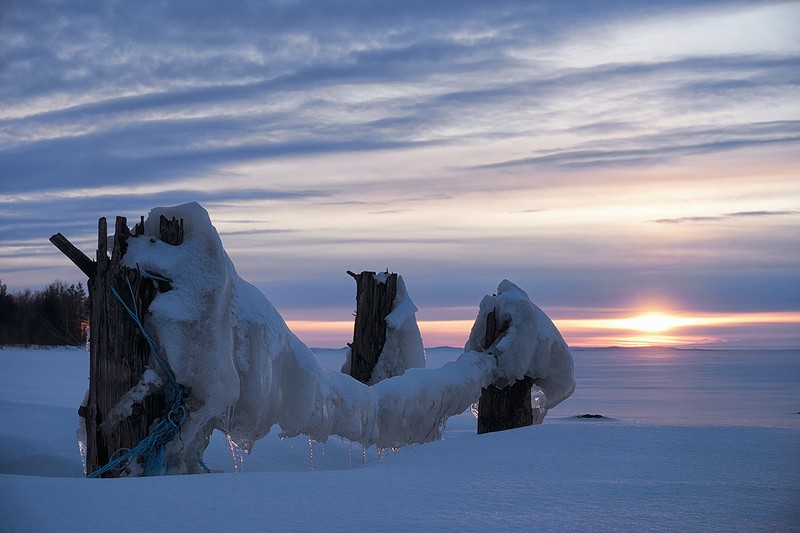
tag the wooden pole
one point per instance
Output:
(86, 265)
(374, 302)
(509, 407)
(118, 351)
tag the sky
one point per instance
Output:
(633, 166)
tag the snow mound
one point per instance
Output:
(247, 371)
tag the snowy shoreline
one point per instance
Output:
(694, 440)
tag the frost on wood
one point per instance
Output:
(248, 372)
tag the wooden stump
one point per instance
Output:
(374, 302)
(509, 407)
(118, 350)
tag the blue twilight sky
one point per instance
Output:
(608, 157)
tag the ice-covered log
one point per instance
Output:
(531, 346)
(402, 343)
(248, 372)
(403, 348)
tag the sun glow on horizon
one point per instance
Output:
(655, 322)
(659, 328)
(656, 328)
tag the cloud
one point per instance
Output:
(686, 219)
(749, 214)
(740, 214)
(292, 42)
(27, 224)
(527, 211)
(120, 139)
(152, 152)
(660, 147)
(256, 232)
(115, 93)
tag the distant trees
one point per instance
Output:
(55, 316)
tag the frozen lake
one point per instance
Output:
(693, 440)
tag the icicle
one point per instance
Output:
(363, 454)
(283, 438)
(82, 450)
(236, 455)
(310, 454)
(81, 434)
(351, 454)
(538, 402)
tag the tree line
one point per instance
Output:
(54, 316)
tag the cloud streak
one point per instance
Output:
(663, 146)
(740, 214)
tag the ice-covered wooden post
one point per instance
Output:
(118, 351)
(509, 407)
(374, 300)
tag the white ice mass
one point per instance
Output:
(248, 372)
(532, 345)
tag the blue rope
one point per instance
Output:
(156, 277)
(202, 463)
(134, 314)
(151, 448)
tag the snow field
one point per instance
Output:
(694, 441)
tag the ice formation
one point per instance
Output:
(532, 345)
(403, 346)
(248, 372)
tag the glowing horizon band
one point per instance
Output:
(646, 323)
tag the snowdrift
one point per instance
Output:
(248, 372)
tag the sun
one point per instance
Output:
(651, 322)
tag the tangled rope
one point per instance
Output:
(151, 448)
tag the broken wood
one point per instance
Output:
(374, 301)
(86, 265)
(118, 350)
(509, 407)
(170, 231)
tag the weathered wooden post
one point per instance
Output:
(509, 407)
(374, 301)
(118, 350)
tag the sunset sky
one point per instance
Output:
(633, 166)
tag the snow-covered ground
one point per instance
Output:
(696, 440)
